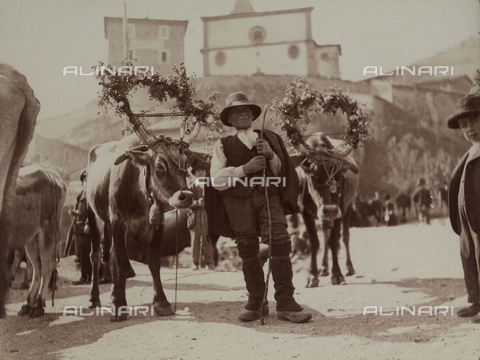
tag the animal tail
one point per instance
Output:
(52, 285)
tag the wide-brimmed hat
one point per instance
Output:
(238, 99)
(468, 105)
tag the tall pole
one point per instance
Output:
(125, 52)
(125, 32)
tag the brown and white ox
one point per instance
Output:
(34, 220)
(18, 115)
(123, 178)
(328, 184)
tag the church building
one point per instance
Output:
(246, 43)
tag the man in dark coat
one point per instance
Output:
(237, 171)
(464, 196)
(79, 229)
(423, 201)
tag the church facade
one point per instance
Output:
(246, 43)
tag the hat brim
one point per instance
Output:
(256, 111)
(452, 121)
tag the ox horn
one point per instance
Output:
(193, 135)
(345, 151)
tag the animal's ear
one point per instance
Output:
(138, 156)
(297, 159)
(127, 154)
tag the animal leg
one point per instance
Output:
(95, 259)
(32, 252)
(14, 267)
(337, 277)
(46, 244)
(346, 240)
(122, 264)
(161, 305)
(311, 227)
(27, 280)
(326, 236)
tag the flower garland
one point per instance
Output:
(301, 99)
(116, 86)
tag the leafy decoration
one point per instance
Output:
(301, 100)
(118, 85)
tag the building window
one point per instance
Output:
(164, 56)
(220, 58)
(325, 57)
(293, 51)
(131, 31)
(163, 32)
(257, 34)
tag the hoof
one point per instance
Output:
(163, 310)
(37, 312)
(25, 310)
(324, 272)
(95, 304)
(338, 280)
(350, 272)
(313, 282)
(117, 318)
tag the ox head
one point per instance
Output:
(166, 162)
(326, 165)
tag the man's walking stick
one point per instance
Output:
(270, 241)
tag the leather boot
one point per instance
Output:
(287, 308)
(254, 280)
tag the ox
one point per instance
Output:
(35, 223)
(124, 178)
(327, 190)
(18, 114)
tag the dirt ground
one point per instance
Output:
(404, 266)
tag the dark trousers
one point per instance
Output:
(470, 255)
(83, 248)
(249, 217)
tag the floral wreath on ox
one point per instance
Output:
(117, 86)
(299, 101)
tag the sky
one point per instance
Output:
(40, 38)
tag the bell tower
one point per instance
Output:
(242, 6)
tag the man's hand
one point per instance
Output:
(256, 164)
(263, 148)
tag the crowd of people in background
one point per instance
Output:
(417, 205)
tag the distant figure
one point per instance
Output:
(403, 203)
(80, 233)
(375, 205)
(389, 211)
(443, 197)
(464, 196)
(423, 201)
